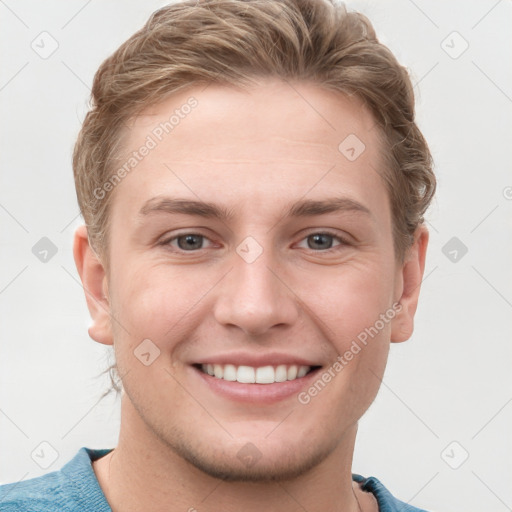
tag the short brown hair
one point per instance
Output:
(232, 42)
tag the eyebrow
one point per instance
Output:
(302, 208)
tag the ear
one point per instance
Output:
(94, 282)
(409, 284)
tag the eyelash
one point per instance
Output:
(342, 241)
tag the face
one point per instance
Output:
(249, 244)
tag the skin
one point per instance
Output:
(254, 153)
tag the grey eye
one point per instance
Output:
(321, 241)
(190, 242)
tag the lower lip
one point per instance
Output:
(257, 393)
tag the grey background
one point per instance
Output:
(450, 383)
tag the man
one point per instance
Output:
(253, 186)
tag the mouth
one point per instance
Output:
(252, 379)
(268, 374)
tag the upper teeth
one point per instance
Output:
(250, 375)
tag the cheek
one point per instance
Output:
(355, 308)
(151, 319)
(142, 292)
(140, 307)
(350, 299)
(155, 303)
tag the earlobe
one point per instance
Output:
(411, 275)
(94, 281)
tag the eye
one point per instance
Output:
(187, 241)
(322, 241)
(319, 242)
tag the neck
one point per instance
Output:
(144, 473)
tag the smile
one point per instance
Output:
(260, 375)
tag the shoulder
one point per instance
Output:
(71, 489)
(37, 495)
(386, 501)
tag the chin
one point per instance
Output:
(249, 464)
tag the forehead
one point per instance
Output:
(293, 137)
(269, 110)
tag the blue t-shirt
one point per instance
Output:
(74, 488)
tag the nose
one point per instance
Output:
(255, 297)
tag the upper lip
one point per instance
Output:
(257, 360)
